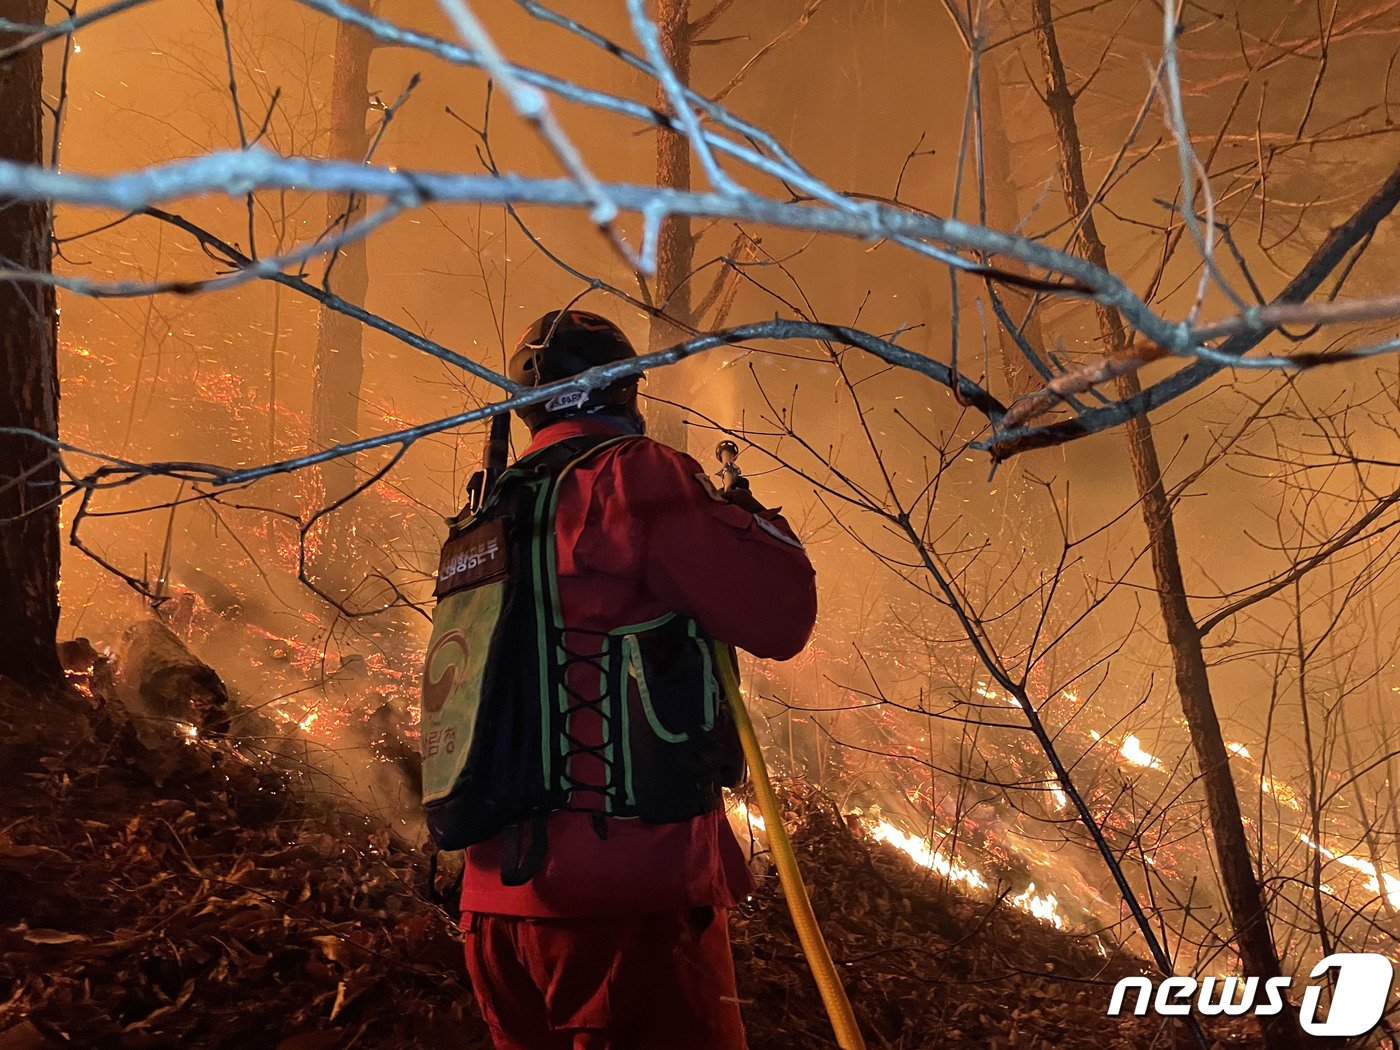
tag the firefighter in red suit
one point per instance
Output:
(619, 941)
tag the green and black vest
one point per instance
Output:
(497, 697)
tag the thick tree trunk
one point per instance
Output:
(1243, 894)
(28, 383)
(676, 251)
(339, 366)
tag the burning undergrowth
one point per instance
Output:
(163, 888)
(924, 963)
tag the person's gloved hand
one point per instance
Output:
(741, 496)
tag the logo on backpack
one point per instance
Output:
(446, 659)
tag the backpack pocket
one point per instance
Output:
(682, 744)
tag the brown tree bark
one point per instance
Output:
(28, 383)
(339, 367)
(1244, 896)
(675, 257)
(1003, 213)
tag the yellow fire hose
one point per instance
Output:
(838, 1007)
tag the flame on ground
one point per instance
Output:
(1042, 906)
(748, 817)
(923, 854)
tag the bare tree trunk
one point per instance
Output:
(1388, 794)
(675, 256)
(28, 382)
(1004, 213)
(1243, 894)
(339, 366)
(1368, 811)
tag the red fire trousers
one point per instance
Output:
(651, 981)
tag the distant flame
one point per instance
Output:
(1042, 906)
(1133, 751)
(1239, 749)
(986, 692)
(1392, 884)
(1280, 791)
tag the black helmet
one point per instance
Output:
(564, 343)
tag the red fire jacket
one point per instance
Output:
(640, 533)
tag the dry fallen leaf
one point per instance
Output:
(52, 937)
(23, 1036)
(333, 948)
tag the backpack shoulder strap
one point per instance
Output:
(551, 462)
(558, 459)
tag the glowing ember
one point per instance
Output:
(1133, 751)
(303, 722)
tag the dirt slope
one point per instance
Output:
(159, 891)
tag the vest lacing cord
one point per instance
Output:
(519, 865)
(578, 702)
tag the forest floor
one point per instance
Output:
(163, 891)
